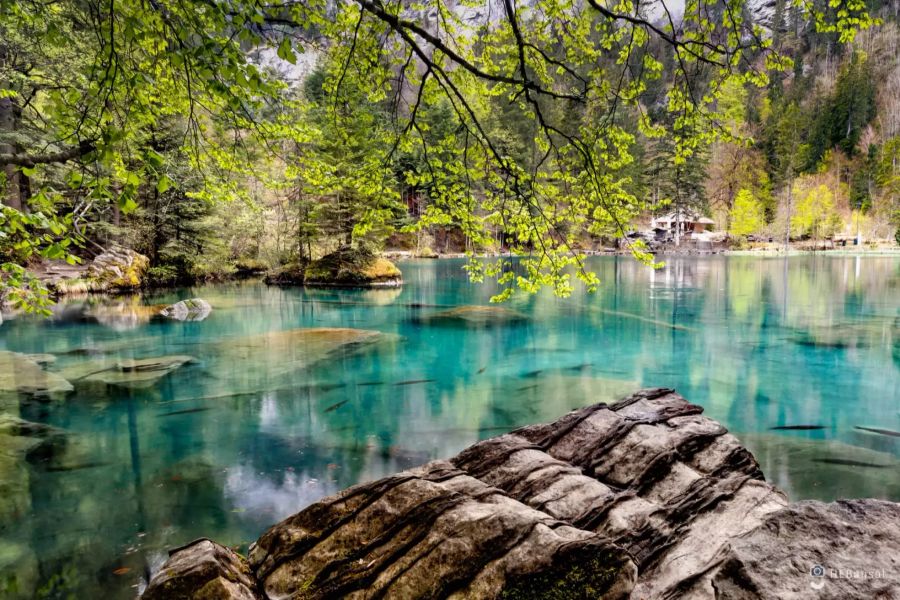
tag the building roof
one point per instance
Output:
(685, 217)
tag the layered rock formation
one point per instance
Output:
(116, 269)
(119, 268)
(643, 498)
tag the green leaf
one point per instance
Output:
(286, 52)
(127, 204)
(163, 184)
(75, 179)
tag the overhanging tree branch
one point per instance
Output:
(31, 160)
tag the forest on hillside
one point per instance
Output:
(234, 136)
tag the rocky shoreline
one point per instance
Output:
(644, 498)
(122, 271)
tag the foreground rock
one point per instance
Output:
(352, 268)
(846, 549)
(434, 531)
(193, 309)
(203, 570)
(643, 497)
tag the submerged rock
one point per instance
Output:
(29, 440)
(22, 442)
(203, 570)
(20, 373)
(352, 268)
(285, 352)
(42, 358)
(193, 309)
(480, 316)
(644, 497)
(131, 373)
(824, 469)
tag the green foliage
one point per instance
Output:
(165, 276)
(843, 115)
(23, 291)
(747, 214)
(159, 123)
(814, 213)
(345, 189)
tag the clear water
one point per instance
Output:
(255, 429)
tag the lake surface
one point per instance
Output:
(266, 420)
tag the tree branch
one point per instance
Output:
(31, 160)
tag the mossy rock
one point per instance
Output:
(76, 286)
(250, 267)
(352, 268)
(426, 252)
(119, 268)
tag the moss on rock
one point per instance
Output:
(352, 268)
(119, 269)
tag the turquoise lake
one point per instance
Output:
(265, 420)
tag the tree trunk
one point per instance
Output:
(787, 227)
(9, 119)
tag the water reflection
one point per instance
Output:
(267, 417)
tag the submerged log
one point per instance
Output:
(644, 497)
